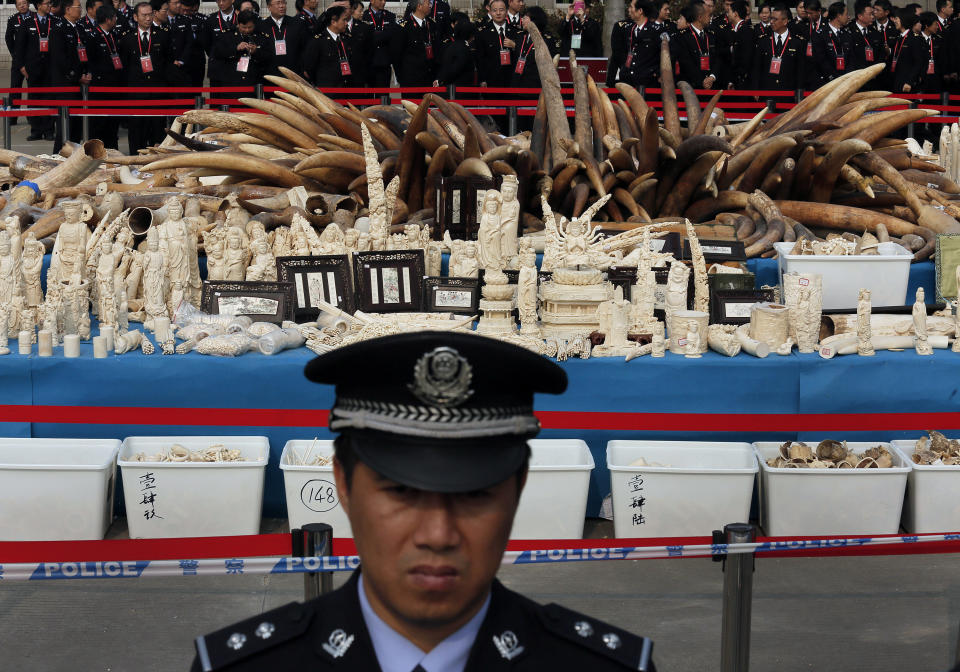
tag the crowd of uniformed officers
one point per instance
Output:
(168, 43)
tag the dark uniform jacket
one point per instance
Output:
(913, 64)
(196, 63)
(294, 35)
(458, 66)
(488, 54)
(329, 633)
(866, 47)
(829, 49)
(688, 50)
(158, 47)
(227, 58)
(526, 75)
(180, 33)
(13, 29)
(792, 56)
(28, 53)
(321, 61)
(589, 32)
(413, 65)
(440, 15)
(311, 22)
(213, 28)
(359, 36)
(642, 49)
(101, 46)
(383, 28)
(738, 45)
(66, 65)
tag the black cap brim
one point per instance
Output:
(440, 465)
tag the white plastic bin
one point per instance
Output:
(885, 274)
(701, 487)
(193, 499)
(312, 495)
(554, 501)
(933, 494)
(806, 502)
(56, 489)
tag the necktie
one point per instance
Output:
(779, 43)
(501, 33)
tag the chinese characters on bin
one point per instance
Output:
(637, 500)
(148, 491)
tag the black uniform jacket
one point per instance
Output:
(13, 28)
(589, 32)
(458, 66)
(488, 48)
(688, 48)
(792, 56)
(66, 67)
(101, 46)
(329, 634)
(227, 57)
(740, 45)
(359, 36)
(912, 65)
(384, 27)
(29, 54)
(293, 33)
(828, 47)
(131, 51)
(411, 62)
(214, 26)
(321, 61)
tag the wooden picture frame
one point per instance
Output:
(261, 301)
(718, 250)
(451, 295)
(327, 277)
(948, 258)
(733, 307)
(388, 282)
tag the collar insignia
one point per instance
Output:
(508, 645)
(442, 378)
(338, 643)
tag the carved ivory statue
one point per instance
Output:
(331, 241)
(864, 334)
(235, 257)
(574, 243)
(956, 310)
(527, 293)
(676, 293)
(69, 251)
(106, 287)
(31, 267)
(213, 244)
(178, 244)
(155, 279)
(692, 347)
(509, 217)
(491, 254)
(9, 280)
(920, 324)
(614, 319)
(264, 266)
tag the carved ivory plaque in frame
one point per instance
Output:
(733, 306)
(388, 282)
(323, 277)
(451, 295)
(261, 301)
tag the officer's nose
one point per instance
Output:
(437, 524)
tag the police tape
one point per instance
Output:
(133, 569)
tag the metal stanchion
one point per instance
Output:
(258, 91)
(7, 136)
(911, 125)
(85, 94)
(771, 104)
(64, 118)
(798, 95)
(511, 120)
(451, 91)
(737, 599)
(224, 108)
(314, 540)
(385, 98)
(198, 102)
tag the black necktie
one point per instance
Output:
(501, 34)
(779, 43)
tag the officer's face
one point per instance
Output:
(339, 24)
(866, 18)
(173, 8)
(378, 5)
(22, 6)
(516, 6)
(778, 21)
(428, 558)
(72, 12)
(880, 14)
(278, 8)
(43, 7)
(498, 10)
(225, 5)
(765, 14)
(144, 18)
(246, 28)
(948, 9)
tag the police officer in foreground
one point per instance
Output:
(429, 464)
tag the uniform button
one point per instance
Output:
(583, 628)
(236, 641)
(611, 640)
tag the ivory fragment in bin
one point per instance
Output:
(193, 499)
(932, 503)
(554, 500)
(56, 489)
(679, 488)
(806, 502)
(312, 495)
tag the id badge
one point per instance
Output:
(893, 65)
(930, 69)
(44, 45)
(280, 47)
(82, 53)
(704, 63)
(429, 49)
(345, 68)
(676, 69)
(117, 63)
(869, 54)
(775, 66)
(243, 64)
(504, 57)
(627, 63)
(809, 49)
(521, 64)
(575, 41)
(146, 65)
(841, 63)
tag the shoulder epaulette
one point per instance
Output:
(252, 636)
(601, 638)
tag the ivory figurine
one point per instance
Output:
(69, 250)
(527, 293)
(12, 226)
(572, 244)
(123, 312)
(433, 258)
(920, 324)
(264, 266)
(178, 294)
(52, 315)
(644, 301)
(106, 288)
(178, 243)
(331, 241)
(614, 319)
(235, 257)
(956, 311)
(864, 334)
(676, 293)
(468, 262)
(213, 244)
(488, 235)
(155, 280)
(9, 278)
(4, 329)
(77, 308)
(722, 338)
(692, 345)
(659, 342)
(509, 218)
(31, 265)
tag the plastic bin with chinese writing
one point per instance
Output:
(803, 502)
(554, 500)
(679, 488)
(52, 489)
(933, 494)
(312, 495)
(193, 499)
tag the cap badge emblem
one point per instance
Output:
(442, 378)
(338, 643)
(508, 645)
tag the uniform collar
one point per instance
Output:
(333, 35)
(277, 21)
(417, 19)
(784, 36)
(396, 654)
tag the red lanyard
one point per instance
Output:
(140, 43)
(706, 39)
(37, 24)
(930, 44)
(342, 47)
(435, 3)
(899, 47)
(233, 19)
(523, 54)
(637, 29)
(571, 28)
(499, 36)
(373, 17)
(836, 50)
(273, 29)
(773, 49)
(108, 40)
